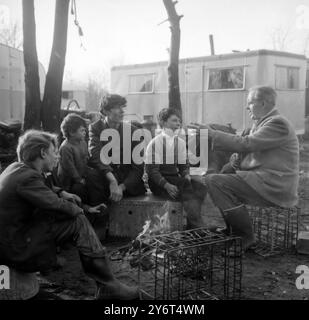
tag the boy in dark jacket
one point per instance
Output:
(72, 168)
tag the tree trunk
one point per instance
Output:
(32, 118)
(53, 87)
(173, 77)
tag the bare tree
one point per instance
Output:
(173, 75)
(53, 86)
(279, 38)
(306, 45)
(32, 82)
(11, 35)
(95, 92)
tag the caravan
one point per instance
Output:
(12, 83)
(214, 88)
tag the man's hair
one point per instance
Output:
(32, 142)
(265, 93)
(110, 101)
(71, 123)
(165, 113)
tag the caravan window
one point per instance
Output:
(227, 78)
(67, 95)
(141, 83)
(287, 77)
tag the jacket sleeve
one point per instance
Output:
(67, 164)
(182, 156)
(271, 135)
(95, 150)
(34, 190)
(152, 168)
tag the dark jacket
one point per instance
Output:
(72, 166)
(158, 164)
(128, 174)
(28, 209)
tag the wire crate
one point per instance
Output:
(190, 265)
(275, 228)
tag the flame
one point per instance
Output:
(159, 225)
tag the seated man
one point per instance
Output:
(113, 180)
(34, 219)
(265, 171)
(168, 168)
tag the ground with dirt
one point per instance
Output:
(263, 278)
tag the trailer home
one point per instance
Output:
(12, 83)
(73, 97)
(214, 88)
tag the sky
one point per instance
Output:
(118, 32)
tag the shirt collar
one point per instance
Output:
(170, 133)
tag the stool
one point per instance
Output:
(275, 228)
(23, 286)
(128, 216)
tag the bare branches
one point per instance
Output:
(171, 11)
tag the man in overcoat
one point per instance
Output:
(265, 166)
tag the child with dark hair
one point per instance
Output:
(168, 168)
(72, 168)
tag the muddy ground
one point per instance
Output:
(271, 278)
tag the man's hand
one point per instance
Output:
(235, 161)
(211, 131)
(187, 177)
(116, 192)
(71, 197)
(171, 189)
(100, 208)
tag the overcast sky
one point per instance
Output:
(127, 31)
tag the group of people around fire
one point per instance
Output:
(54, 195)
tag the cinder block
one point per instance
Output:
(127, 218)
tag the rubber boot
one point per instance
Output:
(193, 210)
(108, 287)
(239, 223)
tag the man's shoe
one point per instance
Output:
(239, 222)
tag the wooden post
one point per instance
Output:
(212, 48)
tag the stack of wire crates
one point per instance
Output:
(275, 229)
(190, 265)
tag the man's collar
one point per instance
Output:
(272, 112)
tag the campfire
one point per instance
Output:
(193, 264)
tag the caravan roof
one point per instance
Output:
(226, 56)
